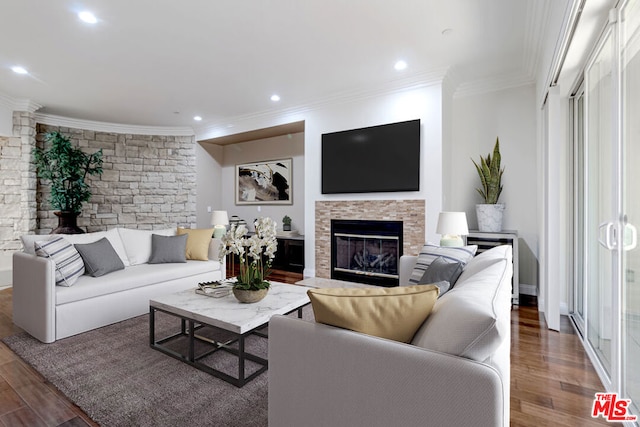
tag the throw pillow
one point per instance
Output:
(392, 313)
(198, 241)
(99, 257)
(443, 272)
(166, 249)
(430, 252)
(137, 243)
(69, 265)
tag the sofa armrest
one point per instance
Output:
(325, 376)
(407, 263)
(34, 296)
(214, 254)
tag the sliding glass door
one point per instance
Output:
(630, 133)
(606, 298)
(600, 201)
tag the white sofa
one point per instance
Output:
(49, 312)
(455, 372)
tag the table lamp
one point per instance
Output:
(219, 220)
(452, 226)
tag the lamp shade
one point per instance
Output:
(219, 218)
(454, 223)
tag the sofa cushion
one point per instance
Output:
(472, 319)
(430, 253)
(168, 249)
(198, 241)
(442, 273)
(67, 260)
(137, 243)
(99, 257)
(392, 313)
(133, 277)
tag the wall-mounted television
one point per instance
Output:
(373, 159)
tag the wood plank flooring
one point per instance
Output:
(552, 380)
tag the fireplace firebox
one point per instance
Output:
(366, 251)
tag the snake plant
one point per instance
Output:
(490, 176)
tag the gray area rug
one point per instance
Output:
(118, 380)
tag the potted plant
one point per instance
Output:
(286, 223)
(490, 212)
(255, 254)
(66, 168)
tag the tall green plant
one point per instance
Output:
(66, 168)
(490, 175)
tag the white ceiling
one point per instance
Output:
(161, 62)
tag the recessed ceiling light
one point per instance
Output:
(19, 70)
(275, 98)
(87, 17)
(197, 118)
(400, 65)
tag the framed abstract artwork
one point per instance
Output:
(265, 183)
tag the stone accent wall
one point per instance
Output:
(17, 177)
(148, 181)
(410, 212)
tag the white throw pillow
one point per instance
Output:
(112, 235)
(431, 252)
(69, 264)
(29, 240)
(137, 243)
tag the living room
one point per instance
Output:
(193, 163)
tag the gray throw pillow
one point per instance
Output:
(166, 249)
(442, 271)
(99, 257)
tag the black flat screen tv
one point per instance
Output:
(374, 159)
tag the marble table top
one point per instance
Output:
(230, 314)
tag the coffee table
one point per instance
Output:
(228, 314)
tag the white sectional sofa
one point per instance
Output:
(49, 312)
(455, 371)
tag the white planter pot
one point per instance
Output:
(490, 217)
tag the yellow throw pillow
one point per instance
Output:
(198, 240)
(392, 313)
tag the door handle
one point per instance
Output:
(608, 241)
(630, 237)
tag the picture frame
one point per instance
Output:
(267, 182)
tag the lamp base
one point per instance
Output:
(451, 240)
(219, 231)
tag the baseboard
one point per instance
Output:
(527, 289)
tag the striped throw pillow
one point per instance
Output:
(430, 253)
(69, 264)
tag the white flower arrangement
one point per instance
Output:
(255, 253)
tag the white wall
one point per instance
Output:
(424, 103)
(280, 147)
(209, 160)
(6, 120)
(477, 120)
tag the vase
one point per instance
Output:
(490, 217)
(250, 296)
(67, 223)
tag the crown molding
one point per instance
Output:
(14, 104)
(53, 120)
(286, 115)
(493, 84)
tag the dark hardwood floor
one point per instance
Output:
(552, 380)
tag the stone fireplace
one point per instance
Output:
(410, 213)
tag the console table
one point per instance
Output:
(487, 240)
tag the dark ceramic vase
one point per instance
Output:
(67, 223)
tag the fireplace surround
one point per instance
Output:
(412, 213)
